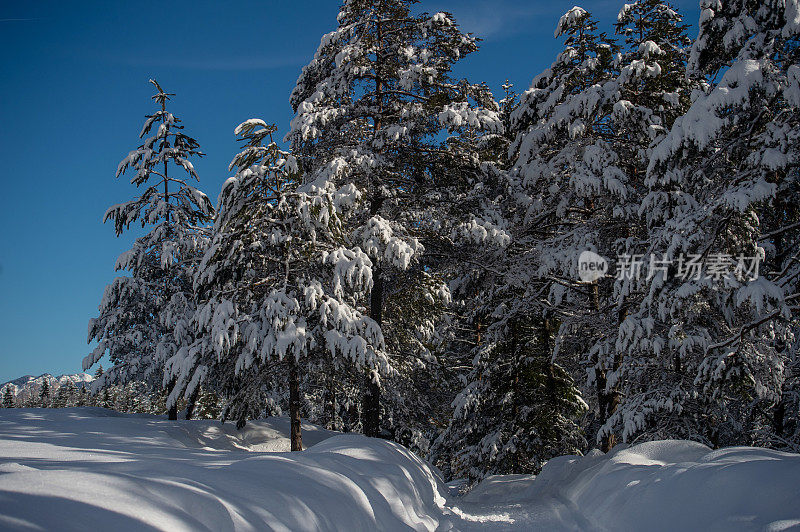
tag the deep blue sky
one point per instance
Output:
(73, 95)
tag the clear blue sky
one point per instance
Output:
(73, 95)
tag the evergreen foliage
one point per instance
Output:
(139, 312)
(410, 267)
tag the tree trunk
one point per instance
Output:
(330, 399)
(515, 357)
(608, 399)
(371, 402)
(294, 407)
(779, 417)
(192, 403)
(352, 417)
(371, 410)
(172, 412)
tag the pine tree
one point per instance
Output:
(61, 398)
(138, 312)
(278, 285)
(208, 405)
(569, 194)
(8, 398)
(653, 76)
(519, 409)
(721, 184)
(650, 91)
(83, 397)
(106, 400)
(44, 394)
(561, 191)
(372, 109)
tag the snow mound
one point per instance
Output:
(91, 468)
(663, 485)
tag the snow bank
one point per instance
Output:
(84, 469)
(90, 468)
(664, 485)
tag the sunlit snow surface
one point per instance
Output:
(92, 469)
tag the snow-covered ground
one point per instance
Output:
(89, 468)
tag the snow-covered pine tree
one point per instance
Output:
(653, 75)
(373, 108)
(83, 398)
(106, 398)
(8, 398)
(61, 398)
(719, 339)
(585, 129)
(476, 253)
(208, 405)
(279, 284)
(138, 312)
(44, 394)
(519, 408)
(569, 194)
(566, 192)
(650, 91)
(72, 393)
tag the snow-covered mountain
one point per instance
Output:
(28, 385)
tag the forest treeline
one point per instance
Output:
(409, 261)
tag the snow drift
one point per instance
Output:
(663, 485)
(84, 469)
(78, 469)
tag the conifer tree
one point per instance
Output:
(61, 397)
(83, 397)
(557, 195)
(568, 191)
(137, 312)
(44, 394)
(279, 284)
(650, 91)
(8, 398)
(371, 109)
(718, 339)
(519, 409)
(105, 400)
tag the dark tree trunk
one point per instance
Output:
(352, 417)
(515, 357)
(371, 402)
(172, 412)
(604, 402)
(609, 399)
(192, 403)
(371, 409)
(294, 407)
(330, 399)
(779, 418)
(714, 439)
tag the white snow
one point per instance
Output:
(90, 468)
(663, 485)
(569, 19)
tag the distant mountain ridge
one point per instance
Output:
(28, 385)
